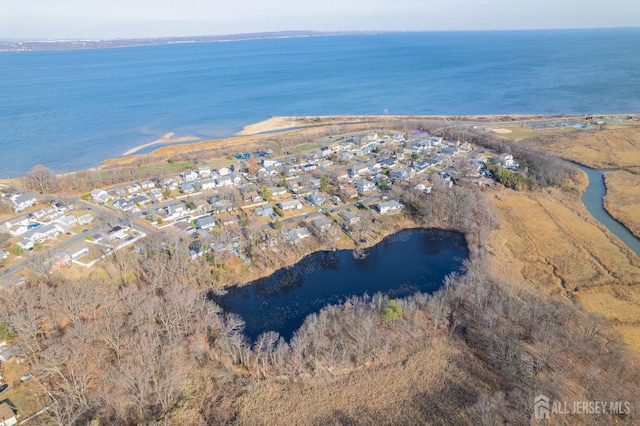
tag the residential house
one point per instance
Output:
(41, 233)
(506, 159)
(450, 150)
(18, 230)
(187, 188)
(264, 210)
(202, 206)
(175, 210)
(189, 176)
(133, 188)
(118, 232)
(291, 204)
(66, 222)
(350, 217)
(389, 163)
(277, 191)
(349, 192)
(123, 205)
(205, 222)
(23, 201)
(424, 186)
(156, 194)
(148, 184)
(140, 200)
(25, 244)
(59, 261)
(78, 252)
(465, 147)
(295, 235)
(289, 170)
(389, 207)
(206, 184)
(22, 220)
(223, 171)
(402, 173)
(3, 254)
(325, 164)
(308, 167)
(322, 224)
(363, 185)
(317, 199)
(221, 206)
(204, 172)
(420, 167)
(267, 162)
(224, 180)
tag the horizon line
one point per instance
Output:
(298, 33)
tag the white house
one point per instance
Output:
(204, 172)
(363, 185)
(277, 191)
(506, 159)
(296, 235)
(148, 184)
(78, 252)
(206, 184)
(175, 210)
(291, 204)
(66, 222)
(41, 233)
(389, 207)
(3, 254)
(424, 186)
(224, 180)
(189, 176)
(24, 201)
(100, 196)
(16, 222)
(85, 219)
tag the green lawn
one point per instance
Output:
(307, 147)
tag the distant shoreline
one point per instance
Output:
(285, 123)
(58, 45)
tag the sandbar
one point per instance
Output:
(272, 124)
(166, 139)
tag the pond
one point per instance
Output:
(402, 264)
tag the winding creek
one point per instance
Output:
(593, 199)
(402, 264)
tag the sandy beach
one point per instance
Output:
(166, 139)
(271, 124)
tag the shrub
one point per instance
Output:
(391, 312)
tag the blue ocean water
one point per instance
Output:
(70, 110)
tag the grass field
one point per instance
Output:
(616, 146)
(623, 198)
(549, 239)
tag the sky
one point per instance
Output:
(90, 19)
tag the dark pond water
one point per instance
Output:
(407, 262)
(593, 200)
